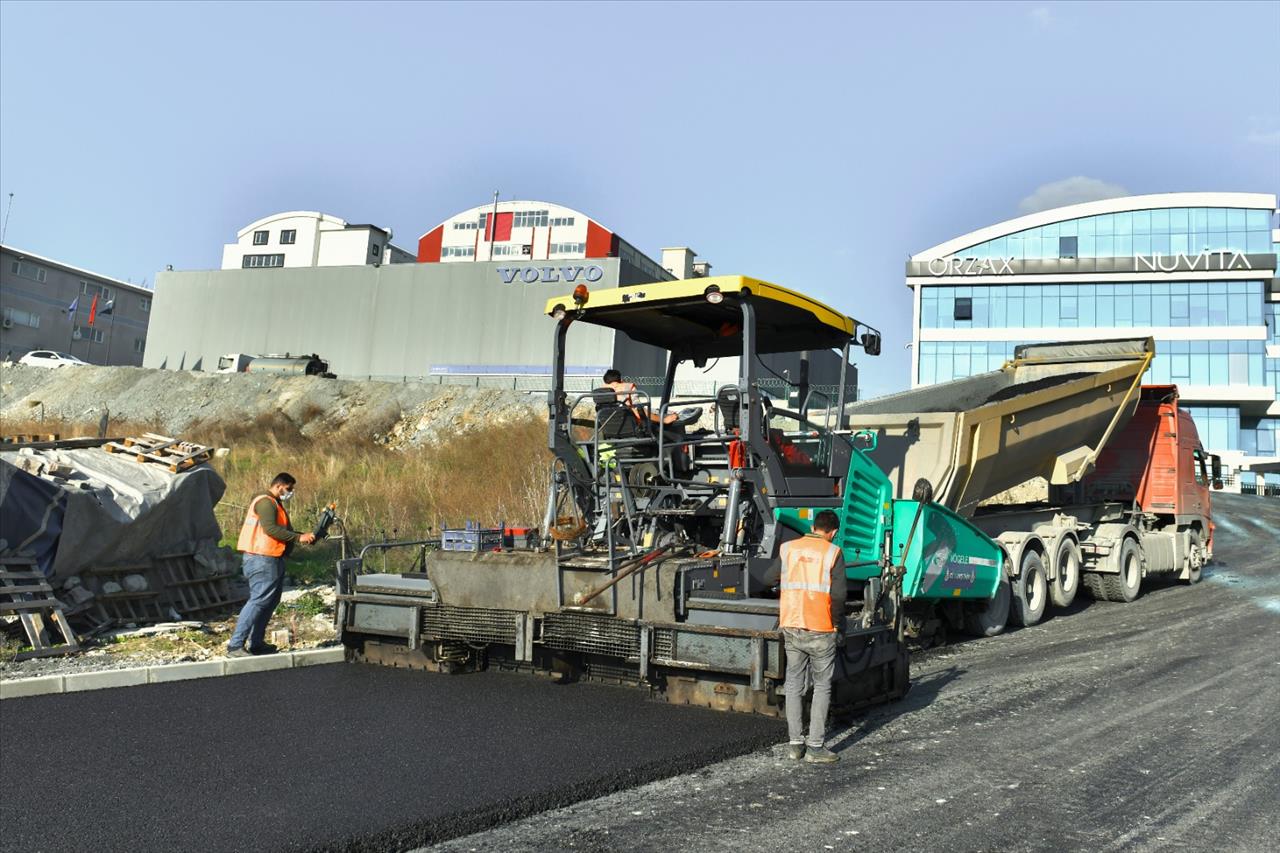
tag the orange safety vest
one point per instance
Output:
(253, 539)
(805, 600)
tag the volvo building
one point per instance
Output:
(1196, 271)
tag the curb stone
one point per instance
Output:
(17, 688)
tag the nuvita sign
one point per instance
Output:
(533, 275)
(1222, 259)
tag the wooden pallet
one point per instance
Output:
(28, 439)
(124, 607)
(194, 594)
(173, 453)
(25, 591)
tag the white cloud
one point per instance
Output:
(1041, 17)
(1069, 191)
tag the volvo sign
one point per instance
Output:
(534, 275)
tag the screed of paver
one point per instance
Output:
(340, 756)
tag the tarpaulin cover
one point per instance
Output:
(109, 511)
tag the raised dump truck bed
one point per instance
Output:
(1046, 413)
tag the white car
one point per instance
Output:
(49, 358)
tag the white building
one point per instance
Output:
(1196, 271)
(304, 238)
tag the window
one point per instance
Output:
(144, 302)
(529, 219)
(567, 248)
(139, 344)
(561, 220)
(28, 271)
(510, 249)
(88, 333)
(288, 237)
(96, 290)
(18, 317)
(1067, 247)
(373, 250)
(260, 238)
(255, 261)
(964, 308)
(466, 226)
(458, 252)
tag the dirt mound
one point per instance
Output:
(399, 414)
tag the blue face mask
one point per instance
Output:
(287, 495)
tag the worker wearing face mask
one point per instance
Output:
(266, 538)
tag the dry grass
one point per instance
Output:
(493, 474)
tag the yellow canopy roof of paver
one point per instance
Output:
(675, 315)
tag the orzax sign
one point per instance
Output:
(971, 266)
(533, 275)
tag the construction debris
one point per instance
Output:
(96, 541)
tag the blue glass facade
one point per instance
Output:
(1176, 362)
(1123, 305)
(1189, 230)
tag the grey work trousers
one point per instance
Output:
(811, 660)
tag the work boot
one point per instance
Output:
(820, 755)
(795, 751)
(264, 649)
(240, 652)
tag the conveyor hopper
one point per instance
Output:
(1046, 413)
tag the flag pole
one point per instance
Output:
(111, 330)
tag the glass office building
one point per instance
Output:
(1196, 271)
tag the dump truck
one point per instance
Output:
(666, 525)
(1128, 479)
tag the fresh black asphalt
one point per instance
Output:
(342, 757)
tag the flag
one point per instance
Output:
(108, 308)
(93, 310)
(71, 309)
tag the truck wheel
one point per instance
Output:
(1195, 557)
(1065, 586)
(1030, 592)
(1125, 585)
(988, 618)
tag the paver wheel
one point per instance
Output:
(1125, 585)
(1030, 591)
(988, 618)
(1064, 587)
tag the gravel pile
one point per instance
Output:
(400, 414)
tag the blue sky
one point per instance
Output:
(813, 145)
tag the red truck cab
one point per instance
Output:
(1157, 462)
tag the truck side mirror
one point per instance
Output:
(1215, 466)
(871, 343)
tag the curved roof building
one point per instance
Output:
(1197, 271)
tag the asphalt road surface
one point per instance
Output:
(343, 757)
(1150, 726)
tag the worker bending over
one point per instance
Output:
(624, 390)
(811, 612)
(266, 538)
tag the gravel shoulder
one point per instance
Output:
(1148, 727)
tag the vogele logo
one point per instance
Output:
(535, 275)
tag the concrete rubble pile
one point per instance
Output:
(119, 542)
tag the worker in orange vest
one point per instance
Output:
(812, 592)
(266, 538)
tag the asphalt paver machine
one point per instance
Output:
(666, 516)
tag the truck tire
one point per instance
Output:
(1092, 583)
(1195, 556)
(1064, 587)
(1127, 583)
(1030, 592)
(988, 618)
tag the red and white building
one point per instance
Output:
(514, 232)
